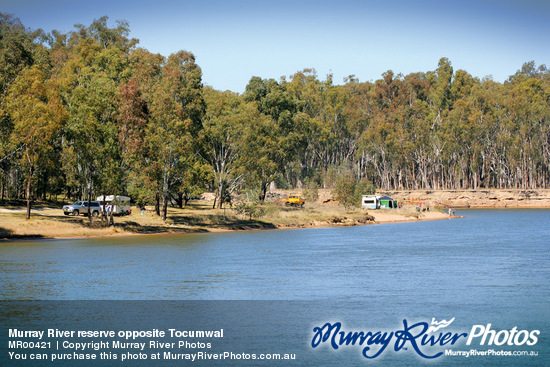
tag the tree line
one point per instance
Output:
(90, 113)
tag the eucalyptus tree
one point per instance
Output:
(177, 107)
(17, 52)
(263, 154)
(37, 113)
(134, 120)
(284, 139)
(97, 62)
(222, 140)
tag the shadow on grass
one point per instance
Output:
(135, 227)
(80, 220)
(6, 234)
(219, 222)
(36, 205)
(97, 223)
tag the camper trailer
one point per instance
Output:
(370, 202)
(119, 205)
(378, 202)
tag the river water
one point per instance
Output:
(492, 266)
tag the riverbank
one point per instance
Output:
(494, 198)
(48, 220)
(443, 199)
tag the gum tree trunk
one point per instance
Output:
(29, 179)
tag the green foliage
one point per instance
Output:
(193, 181)
(37, 114)
(91, 153)
(278, 136)
(16, 45)
(364, 187)
(311, 191)
(331, 176)
(249, 209)
(222, 140)
(348, 191)
(92, 114)
(344, 190)
(176, 109)
(281, 182)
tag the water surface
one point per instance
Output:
(491, 266)
(486, 255)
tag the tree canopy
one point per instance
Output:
(90, 113)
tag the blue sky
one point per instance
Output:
(235, 40)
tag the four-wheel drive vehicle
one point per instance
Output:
(294, 200)
(81, 207)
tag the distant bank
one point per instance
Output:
(443, 199)
(482, 198)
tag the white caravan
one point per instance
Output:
(118, 204)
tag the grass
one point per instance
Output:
(315, 212)
(47, 224)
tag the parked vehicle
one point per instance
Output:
(81, 207)
(378, 202)
(294, 200)
(370, 202)
(119, 205)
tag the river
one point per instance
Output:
(492, 266)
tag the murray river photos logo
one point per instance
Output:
(424, 338)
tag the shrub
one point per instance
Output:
(349, 192)
(344, 190)
(249, 209)
(311, 191)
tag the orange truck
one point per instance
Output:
(294, 200)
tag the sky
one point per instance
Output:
(234, 40)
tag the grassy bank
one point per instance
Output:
(48, 220)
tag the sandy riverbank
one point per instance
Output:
(48, 221)
(198, 217)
